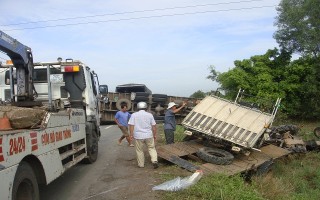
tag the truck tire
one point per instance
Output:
(215, 156)
(316, 132)
(121, 101)
(92, 144)
(158, 118)
(293, 129)
(25, 185)
(159, 99)
(141, 98)
(163, 96)
(142, 94)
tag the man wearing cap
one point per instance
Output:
(142, 127)
(170, 121)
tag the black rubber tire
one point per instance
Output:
(158, 99)
(293, 129)
(164, 96)
(141, 98)
(142, 94)
(189, 138)
(120, 101)
(92, 143)
(316, 132)
(215, 156)
(25, 185)
(158, 118)
(264, 168)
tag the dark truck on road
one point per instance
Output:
(132, 93)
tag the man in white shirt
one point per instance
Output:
(142, 127)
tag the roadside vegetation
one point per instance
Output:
(296, 176)
(268, 77)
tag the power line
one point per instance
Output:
(131, 12)
(138, 18)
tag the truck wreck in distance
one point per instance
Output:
(131, 94)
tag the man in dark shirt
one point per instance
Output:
(170, 121)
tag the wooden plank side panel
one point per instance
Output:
(188, 147)
(212, 168)
(274, 151)
(241, 163)
(175, 151)
(233, 169)
(181, 148)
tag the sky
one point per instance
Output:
(167, 45)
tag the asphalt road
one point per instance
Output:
(114, 175)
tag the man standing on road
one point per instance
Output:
(121, 118)
(143, 129)
(170, 121)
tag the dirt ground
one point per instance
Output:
(115, 175)
(134, 182)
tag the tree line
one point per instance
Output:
(274, 74)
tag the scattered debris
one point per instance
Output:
(178, 183)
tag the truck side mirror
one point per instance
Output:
(103, 89)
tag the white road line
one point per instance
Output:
(107, 127)
(101, 193)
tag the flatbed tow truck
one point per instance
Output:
(40, 138)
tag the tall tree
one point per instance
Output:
(259, 76)
(272, 75)
(198, 94)
(298, 25)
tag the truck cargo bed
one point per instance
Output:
(226, 120)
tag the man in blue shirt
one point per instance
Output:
(121, 118)
(170, 121)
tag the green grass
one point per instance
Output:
(296, 177)
(218, 187)
(178, 136)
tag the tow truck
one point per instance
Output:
(40, 138)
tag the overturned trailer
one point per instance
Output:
(227, 138)
(238, 127)
(233, 137)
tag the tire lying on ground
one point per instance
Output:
(215, 156)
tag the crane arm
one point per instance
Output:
(22, 60)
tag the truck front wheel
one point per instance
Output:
(25, 185)
(92, 144)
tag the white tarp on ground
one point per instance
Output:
(178, 183)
